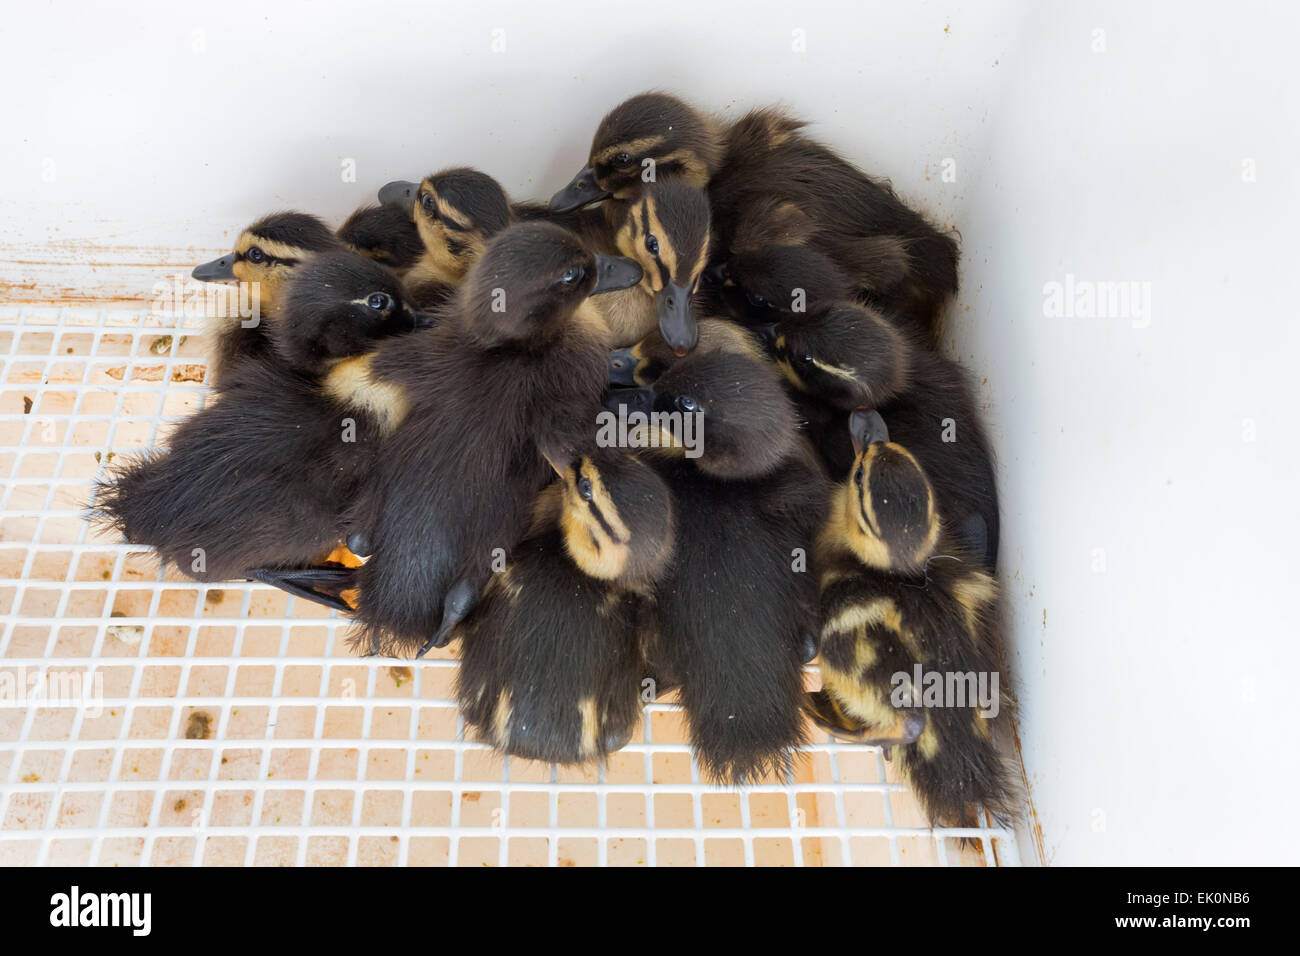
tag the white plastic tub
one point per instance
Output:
(1147, 466)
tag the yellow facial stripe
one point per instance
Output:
(632, 147)
(277, 250)
(693, 171)
(591, 546)
(445, 209)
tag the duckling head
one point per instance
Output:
(456, 211)
(616, 518)
(848, 355)
(337, 306)
(742, 422)
(530, 280)
(641, 139)
(666, 230)
(267, 253)
(384, 233)
(889, 516)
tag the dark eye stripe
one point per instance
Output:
(604, 525)
(268, 260)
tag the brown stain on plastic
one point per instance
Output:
(1035, 827)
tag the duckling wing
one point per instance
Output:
(257, 479)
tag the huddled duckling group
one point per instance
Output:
(430, 385)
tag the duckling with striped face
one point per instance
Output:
(264, 257)
(900, 597)
(260, 478)
(651, 131)
(513, 371)
(551, 657)
(666, 230)
(455, 212)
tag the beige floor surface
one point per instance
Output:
(184, 724)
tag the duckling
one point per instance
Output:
(780, 262)
(257, 481)
(551, 661)
(515, 368)
(665, 227)
(385, 233)
(898, 597)
(875, 240)
(455, 212)
(264, 257)
(848, 356)
(655, 127)
(737, 612)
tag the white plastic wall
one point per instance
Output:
(1147, 465)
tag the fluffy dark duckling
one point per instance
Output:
(737, 617)
(897, 593)
(551, 657)
(455, 213)
(512, 372)
(787, 190)
(848, 356)
(258, 480)
(264, 257)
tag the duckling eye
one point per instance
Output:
(380, 301)
(430, 206)
(755, 299)
(652, 244)
(255, 255)
(623, 159)
(687, 403)
(806, 358)
(571, 275)
(584, 489)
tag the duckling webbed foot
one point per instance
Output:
(909, 724)
(325, 586)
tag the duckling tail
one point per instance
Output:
(746, 717)
(955, 768)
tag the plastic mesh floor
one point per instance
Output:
(146, 719)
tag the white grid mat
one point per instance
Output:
(190, 724)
